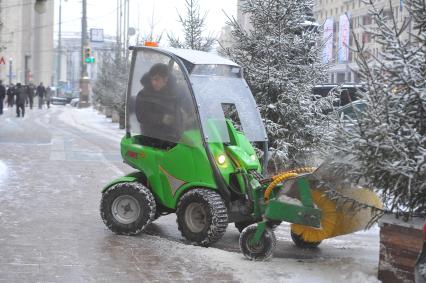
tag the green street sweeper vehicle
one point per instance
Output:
(191, 123)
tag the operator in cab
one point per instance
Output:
(161, 107)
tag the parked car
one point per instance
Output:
(58, 100)
(351, 112)
(74, 102)
(346, 93)
(420, 269)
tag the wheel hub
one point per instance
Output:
(253, 247)
(195, 217)
(126, 209)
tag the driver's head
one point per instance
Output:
(159, 76)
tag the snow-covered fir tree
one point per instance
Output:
(193, 25)
(387, 146)
(110, 85)
(281, 57)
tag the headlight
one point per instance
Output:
(253, 157)
(221, 159)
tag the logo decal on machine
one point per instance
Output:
(174, 183)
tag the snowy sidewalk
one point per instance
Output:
(51, 230)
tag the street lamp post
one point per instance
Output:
(10, 71)
(58, 73)
(27, 70)
(84, 80)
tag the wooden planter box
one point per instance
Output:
(108, 111)
(115, 116)
(400, 244)
(122, 120)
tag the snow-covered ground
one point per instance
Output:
(3, 171)
(88, 120)
(81, 137)
(350, 258)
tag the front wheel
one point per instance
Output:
(243, 224)
(299, 242)
(202, 216)
(126, 208)
(257, 251)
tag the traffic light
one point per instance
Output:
(87, 55)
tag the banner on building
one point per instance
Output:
(344, 33)
(327, 54)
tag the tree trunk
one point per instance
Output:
(115, 116)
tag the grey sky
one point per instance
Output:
(102, 14)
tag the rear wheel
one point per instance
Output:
(126, 208)
(257, 251)
(299, 242)
(202, 217)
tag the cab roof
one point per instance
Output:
(198, 57)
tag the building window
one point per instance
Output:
(340, 78)
(387, 14)
(366, 20)
(356, 77)
(366, 37)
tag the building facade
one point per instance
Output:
(341, 19)
(26, 42)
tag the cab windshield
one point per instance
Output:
(217, 95)
(161, 104)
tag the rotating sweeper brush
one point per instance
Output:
(300, 197)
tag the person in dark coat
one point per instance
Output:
(160, 106)
(21, 97)
(2, 96)
(30, 94)
(40, 92)
(48, 96)
(10, 95)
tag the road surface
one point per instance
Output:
(53, 164)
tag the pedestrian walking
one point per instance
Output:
(30, 94)
(40, 92)
(48, 96)
(21, 97)
(10, 95)
(2, 96)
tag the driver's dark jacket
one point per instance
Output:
(160, 112)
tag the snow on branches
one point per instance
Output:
(110, 86)
(193, 27)
(388, 143)
(281, 57)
